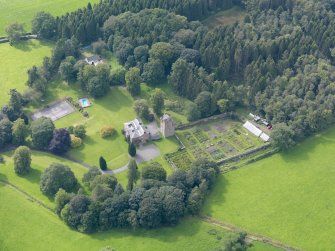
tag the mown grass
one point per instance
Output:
(30, 183)
(24, 11)
(225, 17)
(16, 60)
(288, 197)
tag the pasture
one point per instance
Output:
(16, 60)
(24, 11)
(31, 183)
(289, 197)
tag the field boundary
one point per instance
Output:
(250, 236)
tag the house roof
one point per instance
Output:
(94, 59)
(134, 128)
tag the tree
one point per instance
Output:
(90, 175)
(132, 150)
(44, 25)
(141, 108)
(57, 176)
(163, 52)
(192, 112)
(67, 71)
(118, 76)
(153, 72)
(102, 163)
(5, 132)
(205, 104)
(172, 201)
(101, 192)
(14, 32)
(132, 174)
(104, 179)
(61, 199)
(19, 132)
(61, 141)
(223, 105)
(42, 132)
(15, 102)
(282, 137)
(149, 212)
(154, 171)
(133, 81)
(157, 99)
(22, 160)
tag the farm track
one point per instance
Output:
(250, 236)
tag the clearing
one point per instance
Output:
(18, 59)
(289, 197)
(24, 11)
(225, 17)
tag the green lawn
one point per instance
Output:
(23, 11)
(30, 183)
(16, 61)
(289, 197)
(225, 17)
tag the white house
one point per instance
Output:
(94, 60)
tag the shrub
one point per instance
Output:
(75, 141)
(57, 176)
(2, 160)
(107, 131)
(79, 131)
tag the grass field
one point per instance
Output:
(23, 11)
(30, 183)
(289, 197)
(225, 17)
(16, 61)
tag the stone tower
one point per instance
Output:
(167, 126)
